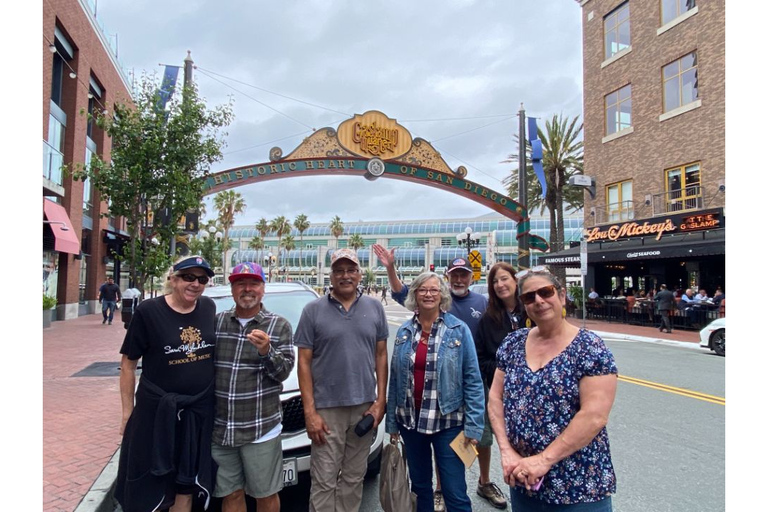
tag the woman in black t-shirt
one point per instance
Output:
(165, 454)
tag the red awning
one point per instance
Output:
(61, 226)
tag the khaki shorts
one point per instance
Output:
(487, 438)
(255, 467)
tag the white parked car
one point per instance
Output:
(713, 336)
(288, 300)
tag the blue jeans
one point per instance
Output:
(110, 305)
(522, 503)
(418, 454)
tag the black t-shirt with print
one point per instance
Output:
(176, 348)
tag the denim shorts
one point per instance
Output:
(522, 503)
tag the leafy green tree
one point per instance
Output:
(301, 223)
(563, 157)
(281, 227)
(228, 204)
(263, 228)
(159, 160)
(370, 277)
(337, 228)
(208, 245)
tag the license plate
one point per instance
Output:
(290, 476)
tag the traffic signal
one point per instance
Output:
(432, 267)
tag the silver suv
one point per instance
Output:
(288, 300)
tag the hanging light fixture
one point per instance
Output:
(52, 48)
(72, 74)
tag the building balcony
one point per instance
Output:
(53, 161)
(685, 200)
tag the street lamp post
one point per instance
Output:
(587, 183)
(468, 238)
(268, 262)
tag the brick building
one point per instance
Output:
(654, 141)
(81, 73)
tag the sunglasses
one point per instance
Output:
(190, 278)
(544, 292)
(538, 269)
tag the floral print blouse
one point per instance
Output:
(539, 405)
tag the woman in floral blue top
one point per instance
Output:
(552, 393)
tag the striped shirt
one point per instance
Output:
(429, 420)
(248, 385)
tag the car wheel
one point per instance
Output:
(717, 342)
(374, 467)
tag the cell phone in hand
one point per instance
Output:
(364, 425)
(534, 487)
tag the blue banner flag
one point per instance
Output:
(537, 154)
(167, 86)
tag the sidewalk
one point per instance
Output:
(81, 414)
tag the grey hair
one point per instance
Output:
(552, 278)
(445, 294)
(167, 285)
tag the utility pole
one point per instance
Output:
(523, 251)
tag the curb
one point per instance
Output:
(612, 336)
(100, 496)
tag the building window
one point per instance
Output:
(87, 199)
(618, 200)
(671, 9)
(681, 82)
(683, 188)
(616, 30)
(618, 110)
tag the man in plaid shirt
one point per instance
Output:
(254, 355)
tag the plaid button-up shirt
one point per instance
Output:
(248, 385)
(430, 420)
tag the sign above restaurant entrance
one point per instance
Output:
(658, 226)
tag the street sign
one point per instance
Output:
(476, 260)
(583, 255)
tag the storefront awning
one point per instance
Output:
(689, 245)
(61, 227)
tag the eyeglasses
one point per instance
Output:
(190, 278)
(544, 292)
(538, 269)
(428, 291)
(341, 272)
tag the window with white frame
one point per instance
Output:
(618, 110)
(681, 82)
(618, 200)
(616, 30)
(671, 9)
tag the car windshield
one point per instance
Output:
(286, 304)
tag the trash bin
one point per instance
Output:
(131, 299)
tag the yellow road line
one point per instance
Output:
(671, 389)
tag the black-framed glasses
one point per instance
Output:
(544, 292)
(341, 272)
(190, 278)
(538, 269)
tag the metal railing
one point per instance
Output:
(675, 201)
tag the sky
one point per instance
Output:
(452, 72)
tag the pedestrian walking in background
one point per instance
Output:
(109, 294)
(253, 356)
(342, 342)
(384, 295)
(165, 456)
(665, 303)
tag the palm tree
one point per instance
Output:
(337, 228)
(355, 242)
(301, 223)
(256, 243)
(289, 244)
(563, 156)
(281, 227)
(227, 203)
(263, 228)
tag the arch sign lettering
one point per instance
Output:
(373, 146)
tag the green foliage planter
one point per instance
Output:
(48, 304)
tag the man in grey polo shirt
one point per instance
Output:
(342, 342)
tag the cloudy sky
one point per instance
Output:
(453, 72)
